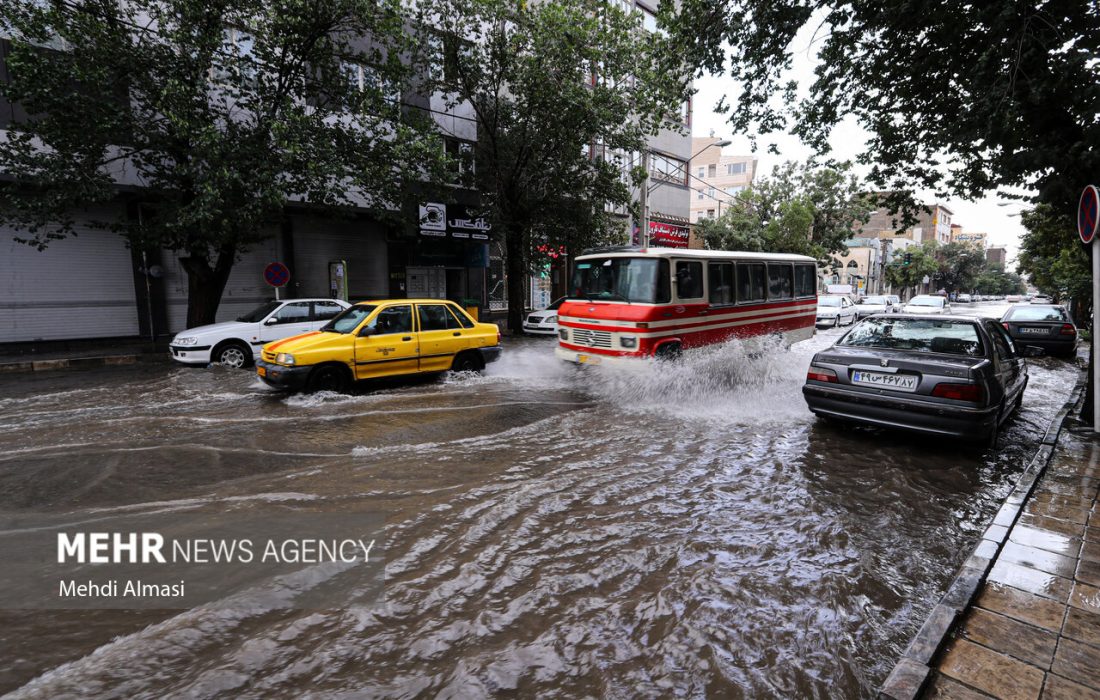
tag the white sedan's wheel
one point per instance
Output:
(232, 355)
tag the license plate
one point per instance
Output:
(1034, 331)
(897, 382)
(262, 371)
(588, 360)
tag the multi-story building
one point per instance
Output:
(997, 255)
(716, 178)
(861, 266)
(933, 224)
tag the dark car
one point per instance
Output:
(1047, 326)
(951, 376)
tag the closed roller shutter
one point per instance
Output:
(362, 244)
(79, 287)
(244, 291)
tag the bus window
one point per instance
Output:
(780, 281)
(720, 281)
(689, 280)
(750, 282)
(805, 281)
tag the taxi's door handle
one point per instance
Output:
(457, 333)
(408, 337)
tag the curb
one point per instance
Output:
(909, 676)
(78, 363)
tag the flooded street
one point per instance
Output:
(689, 530)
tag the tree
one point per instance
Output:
(1054, 260)
(562, 94)
(217, 112)
(957, 96)
(801, 208)
(958, 267)
(993, 279)
(922, 263)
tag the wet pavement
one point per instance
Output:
(1034, 629)
(685, 531)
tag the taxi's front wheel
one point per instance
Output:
(328, 378)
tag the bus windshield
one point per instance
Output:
(621, 279)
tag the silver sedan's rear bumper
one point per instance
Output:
(901, 412)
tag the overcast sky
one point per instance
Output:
(849, 139)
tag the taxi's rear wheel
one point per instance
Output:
(466, 362)
(233, 354)
(328, 378)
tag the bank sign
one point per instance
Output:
(439, 220)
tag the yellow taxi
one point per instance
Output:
(373, 339)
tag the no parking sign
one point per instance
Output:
(276, 274)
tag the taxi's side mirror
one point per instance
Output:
(368, 330)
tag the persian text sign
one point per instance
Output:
(668, 235)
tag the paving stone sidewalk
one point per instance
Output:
(1033, 630)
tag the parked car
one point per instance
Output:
(868, 306)
(927, 304)
(895, 302)
(543, 321)
(964, 299)
(1014, 298)
(959, 377)
(381, 339)
(1048, 327)
(1041, 299)
(237, 343)
(835, 310)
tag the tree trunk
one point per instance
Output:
(205, 284)
(516, 269)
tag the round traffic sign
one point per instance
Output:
(1088, 214)
(276, 274)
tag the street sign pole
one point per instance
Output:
(1088, 221)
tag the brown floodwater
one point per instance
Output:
(686, 531)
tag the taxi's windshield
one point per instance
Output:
(349, 319)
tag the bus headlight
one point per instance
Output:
(628, 341)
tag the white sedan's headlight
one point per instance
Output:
(185, 341)
(550, 319)
(284, 358)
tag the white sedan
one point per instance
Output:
(238, 343)
(868, 306)
(927, 304)
(543, 321)
(835, 310)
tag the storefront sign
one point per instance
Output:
(453, 220)
(664, 235)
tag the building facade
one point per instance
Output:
(997, 255)
(716, 178)
(933, 224)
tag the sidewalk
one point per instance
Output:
(1034, 629)
(81, 354)
(1021, 620)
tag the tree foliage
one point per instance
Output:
(957, 96)
(562, 93)
(958, 266)
(1052, 257)
(994, 279)
(213, 113)
(800, 208)
(922, 263)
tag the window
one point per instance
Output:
(702, 171)
(394, 319)
(324, 310)
(734, 190)
(710, 213)
(1037, 313)
(712, 170)
(689, 280)
(805, 280)
(349, 319)
(649, 20)
(460, 159)
(467, 323)
(721, 283)
(780, 281)
(435, 317)
(668, 169)
(701, 195)
(298, 312)
(710, 193)
(917, 335)
(750, 282)
(735, 168)
(239, 52)
(364, 78)
(685, 112)
(632, 279)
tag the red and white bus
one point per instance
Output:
(655, 302)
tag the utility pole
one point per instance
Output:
(643, 203)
